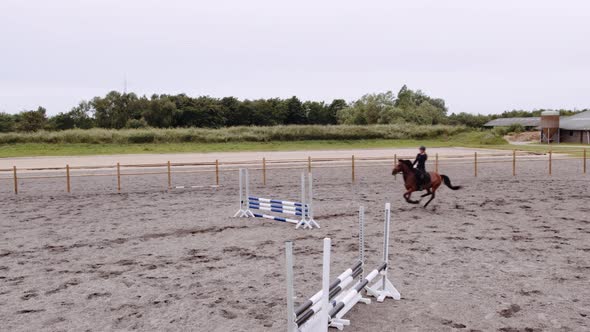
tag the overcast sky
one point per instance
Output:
(480, 56)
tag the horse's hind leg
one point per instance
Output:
(428, 192)
(430, 200)
(407, 197)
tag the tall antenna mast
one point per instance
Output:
(125, 84)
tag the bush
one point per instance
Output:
(136, 124)
(235, 134)
(515, 128)
(490, 138)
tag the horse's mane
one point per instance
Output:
(407, 162)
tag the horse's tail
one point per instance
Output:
(447, 182)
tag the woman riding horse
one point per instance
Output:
(411, 182)
(421, 159)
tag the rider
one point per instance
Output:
(421, 168)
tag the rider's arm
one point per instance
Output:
(415, 161)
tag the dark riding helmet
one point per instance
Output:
(422, 148)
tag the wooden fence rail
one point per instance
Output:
(217, 167)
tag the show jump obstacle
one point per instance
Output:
(327, 307)
(301, 209)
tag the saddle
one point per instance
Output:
(423, 179)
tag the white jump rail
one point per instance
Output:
(327, 307)
(303, 209)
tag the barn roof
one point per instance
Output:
(505, 122)
(580, 121)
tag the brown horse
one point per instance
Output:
(407, 169)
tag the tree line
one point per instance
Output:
(127, 110)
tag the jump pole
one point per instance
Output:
(302, 209)
(318, 313)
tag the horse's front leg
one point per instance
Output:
(407, 196)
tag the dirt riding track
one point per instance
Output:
(504, 254)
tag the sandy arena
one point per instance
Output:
(503, 254)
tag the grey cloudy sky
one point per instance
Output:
(480, 56)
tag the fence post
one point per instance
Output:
(584, 161)
(436, 163)
(264, 171)
(15, 180)
(216, 172)
(68, 178)
(550, 161)
(309, 164)
(475, 164)
(394, 165)
(513, 162)
(118, 177)
(353, 178)
(169, 175)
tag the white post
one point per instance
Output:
(362, 239)
(290, 298)
(244, 210)
(310, 199)
(325, 316)
(247, 182)
(303, 222)
(384, 288)
(386, 239)
(241, 190)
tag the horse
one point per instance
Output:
(407, 169)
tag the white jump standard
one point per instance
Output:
(301, 209)
(327, 307)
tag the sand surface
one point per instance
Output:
(503, 254)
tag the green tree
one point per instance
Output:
(202, 112)
(32, 120)
(160, 112)
(230, 107)
(335, 106)
(317, 113)
(115, 109)
(82, 115)
(295, 111)
(7, 123)
(369, 109)
(61, 121)
(469, 120)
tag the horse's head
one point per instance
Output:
(402, 165)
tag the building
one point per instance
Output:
(575, 128)
(554, 128)
(529, 123)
